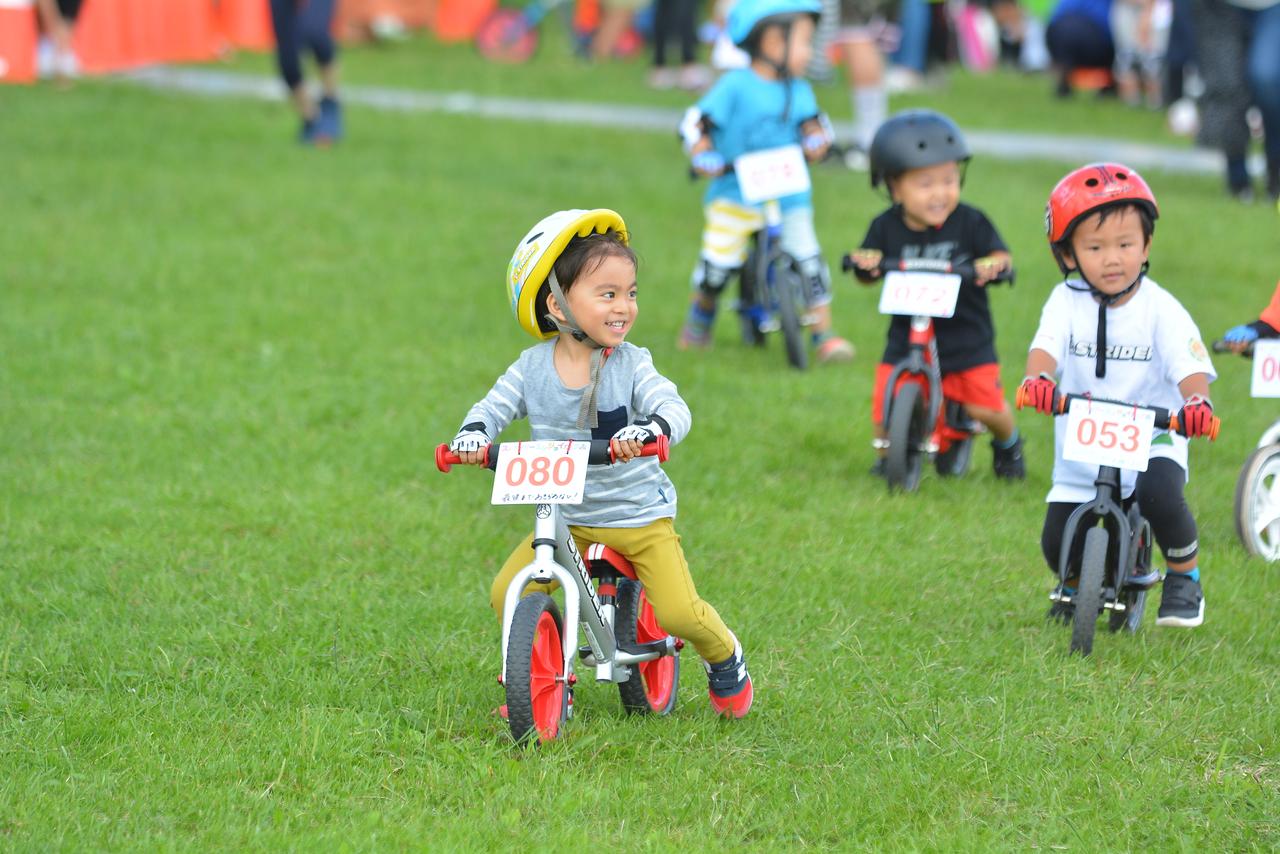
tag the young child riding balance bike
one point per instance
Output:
(1109, 331)
(920, 157)
(572, 286)
(763, 106)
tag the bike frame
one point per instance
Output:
(1106, 505)
(921, 360)
(768, 251)
(556, 559)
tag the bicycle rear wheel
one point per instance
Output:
(537, 693)
(652, 686)
(1088, 598)
(507, 36)
(908, 428)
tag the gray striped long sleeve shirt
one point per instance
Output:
(619, 496)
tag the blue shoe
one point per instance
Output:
(308, 134)
(329, 120)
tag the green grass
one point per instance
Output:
(240, 610)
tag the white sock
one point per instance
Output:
(870, 109)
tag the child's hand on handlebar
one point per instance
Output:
(867, 260)
(629, 442)
(708, 161)
(470, 444)
(1037, 392)
(1238, 338)
(1196, 416)
(988, 268)
(815, 146)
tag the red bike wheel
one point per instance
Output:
(537, 697)
(652, 686)
(507, 36)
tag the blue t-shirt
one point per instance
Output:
(745, 111)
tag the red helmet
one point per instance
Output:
(1087, 190)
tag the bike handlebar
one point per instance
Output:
(1165, 420)
(601, 453)
(965, 270)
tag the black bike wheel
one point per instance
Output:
(1257, 505)
(537, 693)
(789, 289)
(907, 430)
(652, 686)
(749, 310)
(1088, 598)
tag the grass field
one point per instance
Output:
(239, 609)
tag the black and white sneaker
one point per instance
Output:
(1181, 602)
(1061, 612)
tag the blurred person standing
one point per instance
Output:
(1238, 46)
(56, 56)
(1079, 37)
(677, 18)
(308, 25)
(859, 26)
(1140, 30)
(615, 20)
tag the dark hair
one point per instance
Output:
(1104, 213)
(582, 255)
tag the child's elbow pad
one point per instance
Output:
(691, 128)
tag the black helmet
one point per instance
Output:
(914, 139)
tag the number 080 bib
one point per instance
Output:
(540, 473)
(1105, 434)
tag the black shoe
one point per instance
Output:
(1061, 612)
(1007, 462)
(1181, 602)
(877, 468)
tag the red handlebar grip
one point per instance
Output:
(445, 459)
(1214, 428)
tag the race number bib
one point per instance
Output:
(919, 293)
(540, 473)
(771, 174)
(1266, 368)
(1106, 434)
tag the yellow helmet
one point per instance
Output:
(537, 253)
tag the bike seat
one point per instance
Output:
(604, 562)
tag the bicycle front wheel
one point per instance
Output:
(788, 291)
(1088, 598)
(537, 693)
(908, 429)
(1258, 503)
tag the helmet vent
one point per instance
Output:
(1122, 176)
(922, 145)
(1091, 182)
(533, 237)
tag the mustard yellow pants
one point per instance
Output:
(655, 552)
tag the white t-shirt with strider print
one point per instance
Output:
(1152, 345)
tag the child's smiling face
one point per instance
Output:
(928, 195)
(1109, 248)
(797, 46)
(603, 300)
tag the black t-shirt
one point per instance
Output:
(967, 338)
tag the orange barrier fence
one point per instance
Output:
(17, 41)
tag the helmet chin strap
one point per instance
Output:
(588, 415)
(1105, 301)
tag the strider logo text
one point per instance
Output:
(1116, 352)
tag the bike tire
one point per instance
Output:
(537, 693)
(788, 291)
(1088, 598)
(1257, 503)
(506, 36)
(653, 684)
(908, 415)
(748, 295)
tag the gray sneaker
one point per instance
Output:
(1181, 602)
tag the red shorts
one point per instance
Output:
(979, 385)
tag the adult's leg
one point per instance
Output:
(1220, 42)
(1264, 81)
(284, 22)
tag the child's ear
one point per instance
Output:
(553, 308)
